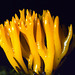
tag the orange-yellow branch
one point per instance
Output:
(57, 42)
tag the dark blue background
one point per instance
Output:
(64, 9)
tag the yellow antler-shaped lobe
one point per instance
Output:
(25, 50)
(50, 45)
(47, 54)
(22, 16)
(16, 45)
(67, 42)
(57, 42)
(14, 36)
(7, 48)
(27, 29)
(60, 53)
(40, 37)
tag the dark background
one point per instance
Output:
(64, 9)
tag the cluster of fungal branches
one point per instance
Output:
(36, 38)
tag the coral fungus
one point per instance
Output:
(25, 37)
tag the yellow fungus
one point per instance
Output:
(25, 37)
